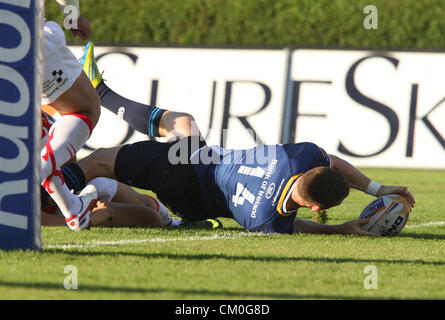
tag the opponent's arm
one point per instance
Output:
(83, 25)
(350, 227)
(359, 181)
(116, 214)
(129, 208)
(121, 207)
(113, 214)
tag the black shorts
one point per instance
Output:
(146, 165)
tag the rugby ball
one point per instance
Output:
(388, 213)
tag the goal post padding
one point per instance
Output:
(21, 67)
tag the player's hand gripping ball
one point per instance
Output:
(389, 214)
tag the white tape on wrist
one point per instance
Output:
(373, 188)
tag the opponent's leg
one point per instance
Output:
(143, 118)
(79, 108)
(149, 120)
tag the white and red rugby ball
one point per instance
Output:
(388, 213)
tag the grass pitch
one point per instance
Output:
(231, 263)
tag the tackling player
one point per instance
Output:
(67, 89)
(118, 205)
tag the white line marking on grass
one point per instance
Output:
(222, 236)
(151, 240)
(427, 224)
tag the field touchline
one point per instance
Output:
(193, 238)
(139, 241)
(426, 224)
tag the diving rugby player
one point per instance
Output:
(262, 188)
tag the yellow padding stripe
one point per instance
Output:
(284, 193)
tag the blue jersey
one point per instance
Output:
(253, 185)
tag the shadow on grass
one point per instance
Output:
(205, 256)
(212, 294)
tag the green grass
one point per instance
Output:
(230, 263)
(321, 23)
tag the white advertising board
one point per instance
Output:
(376, 109)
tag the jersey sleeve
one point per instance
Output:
(324, 160)
(308, 155)
(278, 224)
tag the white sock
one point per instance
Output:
(175, 222)
(67, 202)
(167, 220)
(66, 136)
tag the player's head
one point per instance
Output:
(322, 188)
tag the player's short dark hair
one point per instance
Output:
(324, 186)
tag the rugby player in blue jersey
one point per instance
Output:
(262, 188)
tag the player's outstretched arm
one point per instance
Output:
(359, 181)
(350, 227)
(120, 206)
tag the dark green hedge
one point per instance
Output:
(335, 23)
